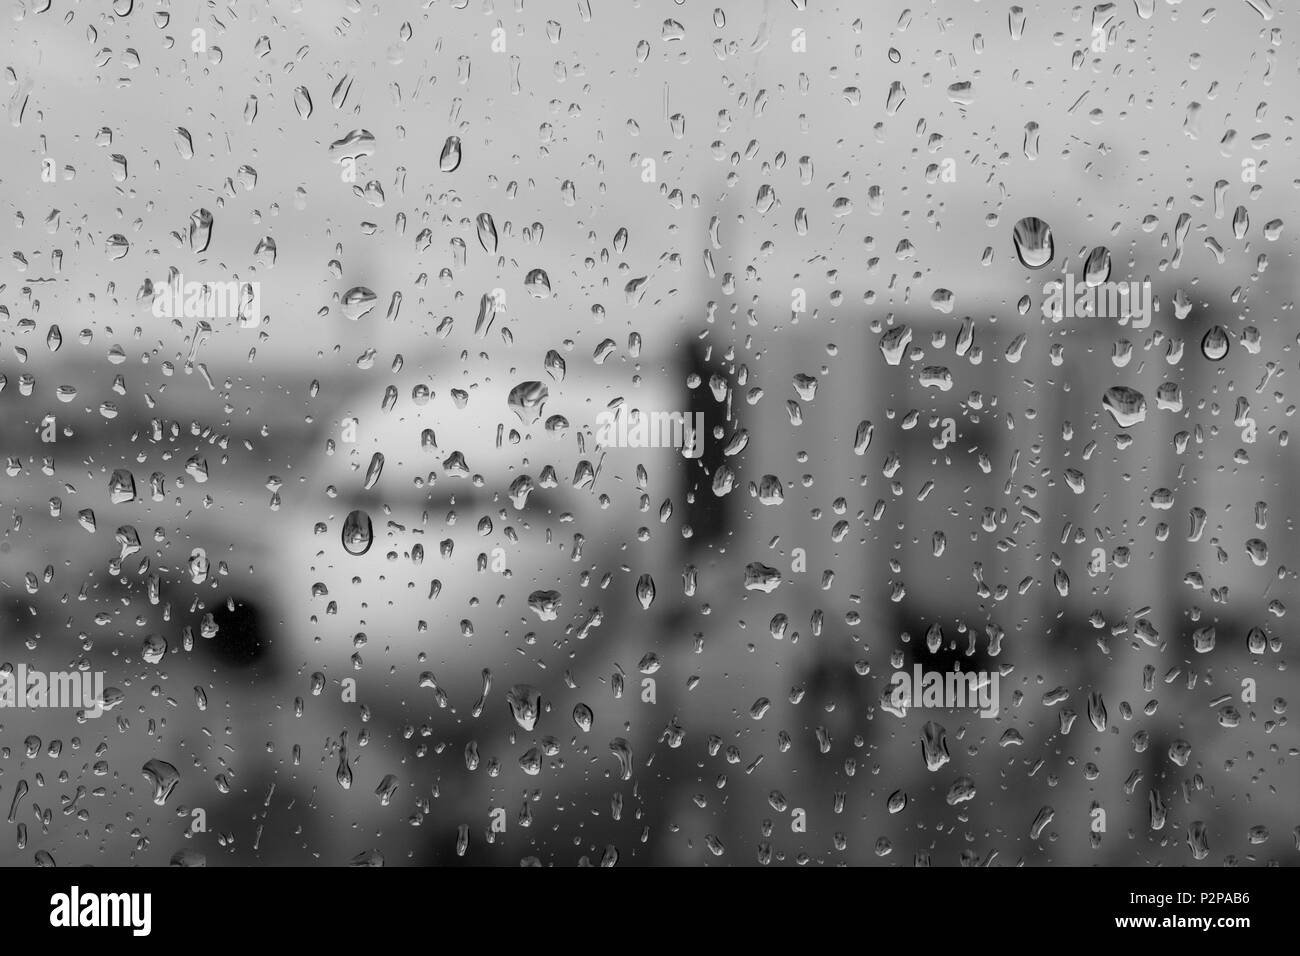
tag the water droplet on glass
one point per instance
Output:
(583, 717)
(374, 470)
(622, 752)
(121, 487)
(1214, 345)
(1096, 268)
(358, 533)
(449, 159)
(357, 302)
(645, 591)
(934, 745)
(200, 230)
(526, 400)
(1126, 405)
(164, 778)
(525, 705)
(487, 232)
(1032, 238)
(302, 102)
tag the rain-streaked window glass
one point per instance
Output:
(607, 432)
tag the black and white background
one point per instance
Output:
(825, 230)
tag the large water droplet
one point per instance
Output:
(526, 400)
(934, 745)
(645, 591)
(583, 717)
(487, 233)
(164, 778)
(375, 469)
(761, 577)
(121, 487)
(622, 751)
(302, 102)
(449, 160)
(538, 284)
(358, 533)
(1032, 238)
(544, 604)
(200, 230)
(357, 302)
(525, 705)
(1096, 268)
(1214, 346)
(1126, 405)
